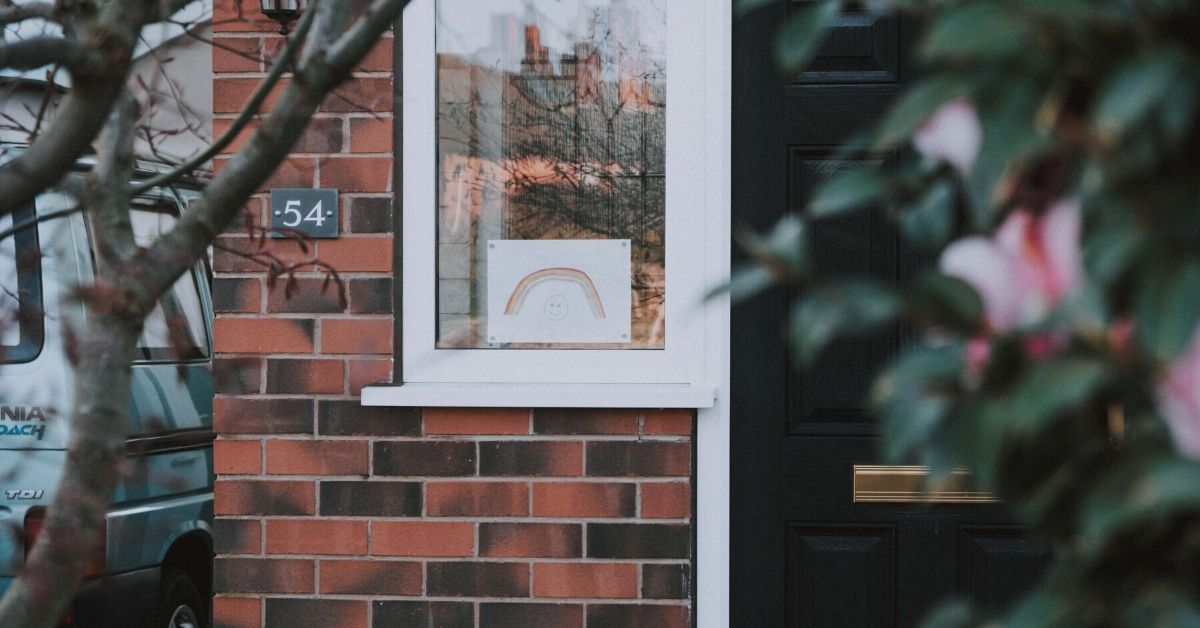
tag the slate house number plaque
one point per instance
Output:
(313, 213)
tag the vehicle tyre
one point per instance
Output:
(179, 603)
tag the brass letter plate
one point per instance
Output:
(906, 484)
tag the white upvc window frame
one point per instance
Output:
(697, 241)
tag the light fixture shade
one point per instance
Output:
(282, 11)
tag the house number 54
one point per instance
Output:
(313, 213)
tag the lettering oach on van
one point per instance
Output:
(22, 414)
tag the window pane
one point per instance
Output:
(21, 317)
(178, 311)
(551, 166)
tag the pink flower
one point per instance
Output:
(1179, 399)
(952, 134)
(1029, 265)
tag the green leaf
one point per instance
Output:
(1167, 308)
(1112, 245)
(1138, 496)
(742, 7)
(746, 282)
(983, 31)
(1050, 388)
(801, 33)
(847, 190)
(955, 614)
(909, 400)
(1133, 90)
(847, 307)
(916, 105)
(929, 222)
(784, 250)
(947, 301)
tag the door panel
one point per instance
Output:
(803, 553)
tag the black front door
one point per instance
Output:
(804, 553)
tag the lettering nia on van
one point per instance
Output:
(22, 414)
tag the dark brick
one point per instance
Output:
(233, 415)
(548, 540)
(323, 135)
(305, 376)
(237, 536)
(477, 499)
(404, 614)
(530, 458)
(235, 295)
(371, 296)
(631, 615)
(307, 297)
(370, 499)
(584, 421)
(666, 582)
(350, 418)
(322, 612)
(635, 540)
(237, 376)
(371, 577)
(639, 458)
(258, 497)
(425, 458)
(530, 616)
(264, 575)
(478, 579)
(371, 215)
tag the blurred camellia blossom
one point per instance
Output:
(952, 134)
(1179, 399)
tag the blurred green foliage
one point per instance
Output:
(1074, 410)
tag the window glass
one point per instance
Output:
(21, 318)
(551, 171)
(175, 328)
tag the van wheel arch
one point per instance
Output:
(192, 554)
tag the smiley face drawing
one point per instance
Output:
(556, 307)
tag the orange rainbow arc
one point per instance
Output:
(517, 298)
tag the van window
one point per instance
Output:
(21, 324)
(175, 328)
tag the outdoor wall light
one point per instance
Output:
(283, 11)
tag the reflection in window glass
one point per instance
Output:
(21, 316)
(551, 126)
(175, 328)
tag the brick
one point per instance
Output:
(366, 372)
(237, 376)
(360, 94)
(371, 296)
(641, 458)
(316, 536)
(545, 540)
(357, 174)
(584, 421)
(230, 95)
(356, 336)
(511, 615)
(231, 54)
(236, 415)
(263, 335)
(667, 423)
(489, 421)
(322, 135)
(379, 59)
(425, 458)
(293, 172)
(371, 214)
(237, 536)
(531, 458)
(236, 612)
(237, 457)
(240, 15)
(422, 538)
(257, 497)
(264, 575)
(476, 499)
(317, 612)
(666, 501)
(468, 579)
(370, 135)
(350, 418)
(638, 540)
(317, 457)
(232, 253)
(365, 253)
(370, 499)
(307, 297)
(306, 376)
(222, 126)
(422, 614)
(236, 295)
(585, 580)
(579, 499)
(370, 577)
(628, 615)
(666, 582)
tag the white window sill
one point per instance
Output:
(540, 395)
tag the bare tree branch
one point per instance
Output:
(13, 13)
(35, 52)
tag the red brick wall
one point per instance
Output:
(331, 514)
